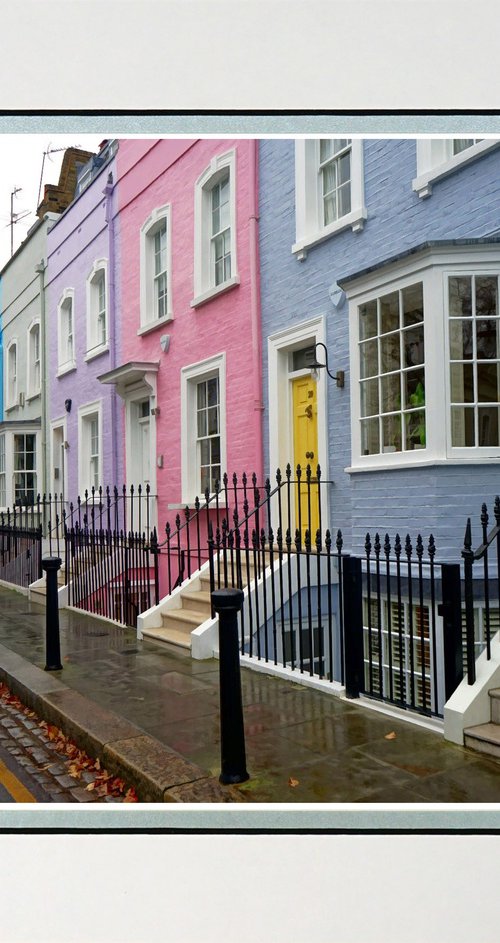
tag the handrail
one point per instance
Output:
(470, 556)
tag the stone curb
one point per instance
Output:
(158, 773)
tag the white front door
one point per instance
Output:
(140, 451)
(57, 461)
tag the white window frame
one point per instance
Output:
(33, 388)
(436, 160)
(310, 228)
(24, 471)
(220, 166)
(65, 364)
(85, 414)
(7, 469)
(432, 268)
(95, 344)
(190, 376)
(11, 382)
(149, 319)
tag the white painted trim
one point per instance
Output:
(33, 393)
(94, 349)
(67, 365)
(148, 229)
(280, 345)
(214, 292)
(436, 160)
(220, 164)
(470, 704)
(190, 375)
(85, 411)
(154, 325)
(310, 229)
(11, 403)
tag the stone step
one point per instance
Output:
(484, 738)
(39, 596)
(197, 600)
(494, 694)
(172, 636)
(205, 577)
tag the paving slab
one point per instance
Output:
(90, 725)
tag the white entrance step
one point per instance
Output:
(485, 738)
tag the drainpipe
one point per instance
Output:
(40, 269)
(108, 192)
(255, 308)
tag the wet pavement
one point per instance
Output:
(302, 745)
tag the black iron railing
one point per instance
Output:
(482, 619)
(109, 566)
(288, 615)
(111, 573)
(399, 623)
(20, 548)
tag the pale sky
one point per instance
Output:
(21, 158)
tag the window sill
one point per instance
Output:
(354, 220)
(33, 396)
(67, 368)
(153, 325)
(96, 352)
(10, 407)
(423, 183)
(214, 292)
(422, 463)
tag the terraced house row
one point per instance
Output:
(277, 355)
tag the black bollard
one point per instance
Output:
(227, 603)
(52, 646)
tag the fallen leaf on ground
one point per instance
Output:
(390, 736)
(105, 784)
(293, 782)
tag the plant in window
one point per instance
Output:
(417, 422)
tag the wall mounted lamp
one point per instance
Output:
(67, 405)
(316, 366)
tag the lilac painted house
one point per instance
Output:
(82, 336)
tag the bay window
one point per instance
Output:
(392, 372)
(425, 358)
(474, 353)
(24, 468)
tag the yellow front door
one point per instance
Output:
(305, 452)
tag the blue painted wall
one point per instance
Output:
(437, 499)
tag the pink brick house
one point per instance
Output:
(190, 365)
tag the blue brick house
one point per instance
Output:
(387, 253)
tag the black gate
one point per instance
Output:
(20, 552)
(402, 625)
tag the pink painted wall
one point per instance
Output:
(152, 173)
